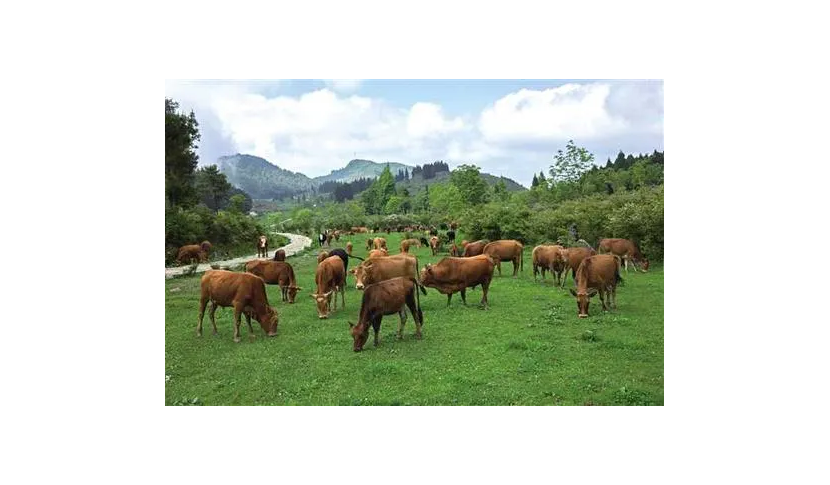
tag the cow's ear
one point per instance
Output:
(572, 291)
(592, 292)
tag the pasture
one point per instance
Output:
(529, 348)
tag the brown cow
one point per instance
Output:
(323, 255)
(407, 243)
(549, 257)
(506, 250)
(360, 229)
(279, 255)
(369, 243)
(434, 244)
(349, 248)
(330, 277)
(599, 273)
(262, 247)
(242, 291)
(626, 250)
(475, 248)
(452, 275)
(454, 250)
(377, 253)
(276, 273)
(336, 235)
(380, 243)
(376, 270)
(191, 252)
(464, 243)
(328, 239)
(573, 258)
(386, 298)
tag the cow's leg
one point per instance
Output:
(626, 265)
(248, 321)
(343, 295)
(515, 267)
(499, 267)
(376, 326)
(202, 305)
(464, 296)
(449, 298)
(613, 296)
(413, 308)
(402, 314)
(237, 313)
(534, 272)
(602, 299)
(484, 287)
(213, 307)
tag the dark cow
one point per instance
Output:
(451, 275)
(424, 241)
(194, 253)
(475, 248)
(279, 255)
(242, 291)
(262, 247)
(339, 252)
(626, 250)
(506, 250)
(321, 239)
(599, 273)
(375, 270)
(329, 277)
(451, 236)
(276, 273)
(573, 258)
(386, 298)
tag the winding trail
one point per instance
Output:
(297, 244)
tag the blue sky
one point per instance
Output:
(507, 127)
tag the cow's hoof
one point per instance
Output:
(272, 334)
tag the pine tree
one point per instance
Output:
(535, 181)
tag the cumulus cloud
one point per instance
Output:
(344, 85)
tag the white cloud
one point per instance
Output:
(344, 85)
(427, 119)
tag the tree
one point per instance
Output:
(422, 200)
(568, 166)
(180, 160)
(535, 181)
(393, 205)
(467, 179)
(542, 181)
(212, 187)
(236, 204)
(446, 199)
(500, 191)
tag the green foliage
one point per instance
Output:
(394, 205)
(212, 187)
(236, 204)
(180, 135)
(473, 188)
(378, 194)
(569, 165)
(500, 193)
(446, 199)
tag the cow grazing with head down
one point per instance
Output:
(379, 243)
(279, 255)
(330, 277)
(262, 247)
(349, 248)
(626, 250)
(407, 243)
(242, 291)
(506, 250)
(276, 273)
(475, 248)
(375, 270)
(573, 258)
(194, 253)
(451, 275)
(597, 274)
(434, 245)
(386, 298)
(549, 257)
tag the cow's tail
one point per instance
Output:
(418, 299)
(618, 279)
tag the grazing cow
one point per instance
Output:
(379, 243)
(349, 248)
(369, 243)
(451, 275)
(323, 255)
(506, 250)
(626, 250)
(279, 255)
(475, 248)
(276, 273)
(599, 273)
(451, 236)
(194, 252)
(262, 247)
(242, 291)
(328, 239)
(407, 243)
(549, 257)
(424, 241)
(386, 298)
(377, 253)
(329, 277)
(573, 258)
(380, 269)
(454, 250)
(434, 244)
(336, 235)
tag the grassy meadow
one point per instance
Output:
(529, 348)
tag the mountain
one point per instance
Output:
(261, 179)
(417, 182)
(357, 168)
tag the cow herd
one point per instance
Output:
(391, 282)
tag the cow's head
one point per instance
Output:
(644, 264)
(360, 334)
(269, 321)
(322, 303)
(363, 274)
(205, 246)
(427, 276)
(583, 299)
(292, 293)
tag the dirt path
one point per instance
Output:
(297, 244)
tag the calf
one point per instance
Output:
(506, 250)
(549, 257)
(573, 258)
(599, 273)
(386, 298)
(329, 277)
(262, 247)
(279, 255)
(242, 291)
(626, 250)
(434, 244)
(194, 252)
(474, 248)
(376, 270)
(452, 275)
(276, 273)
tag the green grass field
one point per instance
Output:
(529, 348)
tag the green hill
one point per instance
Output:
(262, 179)
(356, 169)
(416, 183)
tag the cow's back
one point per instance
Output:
(224, 287)
(389, 267)
(575, 256)
(598, 271)
(504, 248)
(467, 271)
(330, 273)
(474, 248)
